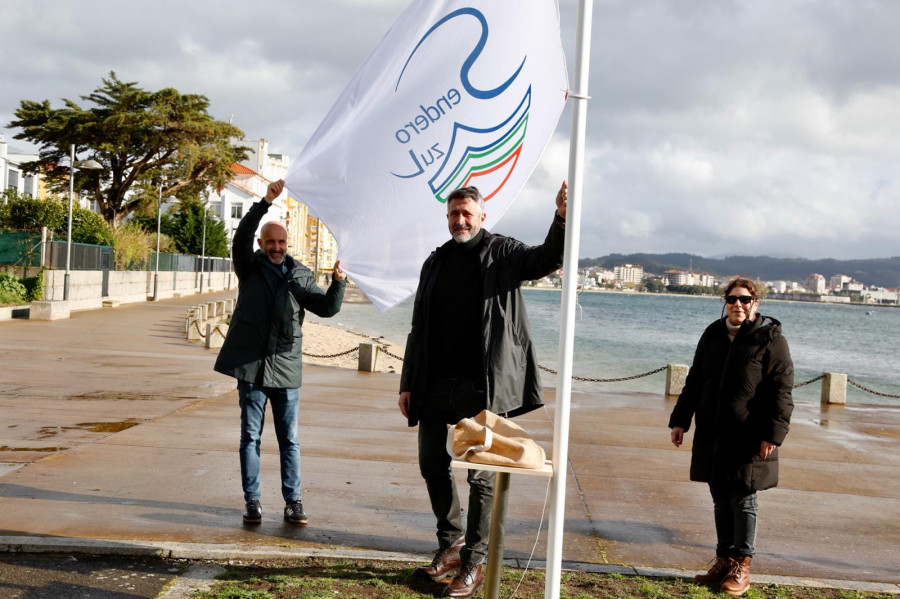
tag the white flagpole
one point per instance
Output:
(567, 320)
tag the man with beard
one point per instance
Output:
(469, 350)
(262, 349)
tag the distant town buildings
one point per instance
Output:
(680, 277)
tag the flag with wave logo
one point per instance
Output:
(456, 94)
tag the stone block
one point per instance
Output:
(195, 329)
(49, 310)
(676, 374)
(215, 335)
(834, 388)
(211, 309)
(368, 354)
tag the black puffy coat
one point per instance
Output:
(739, 393)
(265, 338)
(510, 363)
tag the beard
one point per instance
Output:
(463, 234)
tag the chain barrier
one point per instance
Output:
(338, 355)
(616, 380)
(803, 384)
(872, 391)
(383, 347)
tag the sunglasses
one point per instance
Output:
(744, 299)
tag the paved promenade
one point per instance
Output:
(116, 428)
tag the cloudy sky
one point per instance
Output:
(715, 127)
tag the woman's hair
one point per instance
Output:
(747, 284)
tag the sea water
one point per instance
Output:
(624, 334)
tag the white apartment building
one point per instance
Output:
(816, 283)
(11, 174)
(628, 273)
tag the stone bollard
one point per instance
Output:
(211, 310)
(195, 330)
(220, 308)
(675, 377)
(229, 305)
(194, 313)
(215, 335)
(368, 353)
(834, 388)
(202, 308)
(48, 310)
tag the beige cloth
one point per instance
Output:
(492, 439)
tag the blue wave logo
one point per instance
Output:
(489, 154)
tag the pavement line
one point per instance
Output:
(209, 552)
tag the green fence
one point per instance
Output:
(20, 248)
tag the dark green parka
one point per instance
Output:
(739, 393)
(265, 339)
(510, 362)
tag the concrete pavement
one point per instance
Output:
(117, 433)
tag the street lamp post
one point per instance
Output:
(203, 249)
(87, 165)
(158, 222)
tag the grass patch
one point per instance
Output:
(318, 578)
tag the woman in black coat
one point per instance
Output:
(738, 391)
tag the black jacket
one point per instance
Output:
(739, 393)
(265, 331)
(510, 362)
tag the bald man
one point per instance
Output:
(262, 349)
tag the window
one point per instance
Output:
(237, 211)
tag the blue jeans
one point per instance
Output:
(285, 408)
(736, 512)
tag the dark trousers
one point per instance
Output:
(736, 511)
(448, 401)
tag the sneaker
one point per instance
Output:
(293, 513)
(253, 512)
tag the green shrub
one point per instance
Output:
(34, 287)
(89, 227)
(132, 247)
(11, 290)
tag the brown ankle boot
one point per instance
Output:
(716, 572)
(737, 581)
(445, 561)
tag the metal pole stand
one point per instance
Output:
(493, 570)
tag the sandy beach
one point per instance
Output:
(322, 343)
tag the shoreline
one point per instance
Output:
(768, 299)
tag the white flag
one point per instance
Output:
(457, 93)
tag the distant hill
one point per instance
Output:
(883, 272)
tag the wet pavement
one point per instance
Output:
(117, 431)
(37, 576)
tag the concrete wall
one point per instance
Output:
(129, 286)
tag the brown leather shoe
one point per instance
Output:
(737, 581)
(468, 582)
(716, 573)
(445, 561)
